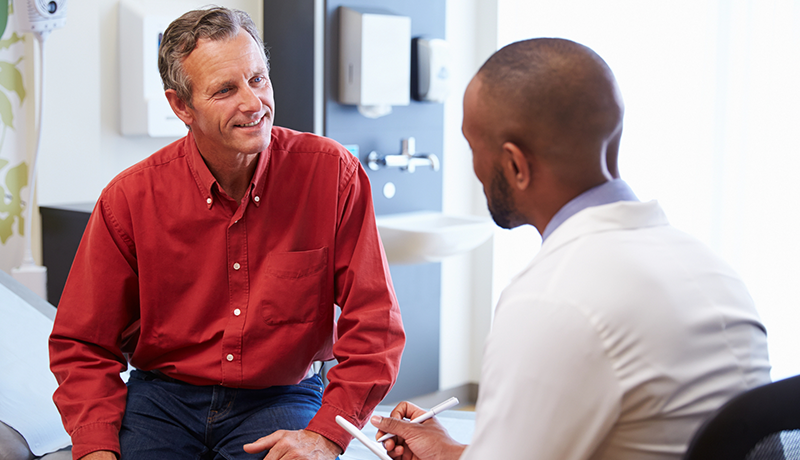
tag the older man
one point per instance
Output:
(213, 268)
(623, 333)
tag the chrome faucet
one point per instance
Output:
(407, 160)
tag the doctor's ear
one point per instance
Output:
(517, 166)
(181, 108)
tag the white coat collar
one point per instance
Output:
(621, 215)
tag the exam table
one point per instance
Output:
(29, 421)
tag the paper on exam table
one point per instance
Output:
(26, 383)
(459, 425)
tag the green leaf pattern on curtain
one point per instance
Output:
(13, 178)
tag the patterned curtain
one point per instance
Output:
(13, 146)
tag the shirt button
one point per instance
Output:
(208, 200)
(237, 312)
(256, 199)
(236, 266)
(229, 357)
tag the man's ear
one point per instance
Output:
(181, 108)
(517, 166)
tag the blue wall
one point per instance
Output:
(289, 36)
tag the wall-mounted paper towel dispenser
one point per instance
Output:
(144, 108)
(374, 60)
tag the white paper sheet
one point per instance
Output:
(26, 383)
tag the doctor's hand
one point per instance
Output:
(295, 445)
(416, 441)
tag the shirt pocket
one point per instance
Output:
(294, 284)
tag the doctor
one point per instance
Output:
(623, 334)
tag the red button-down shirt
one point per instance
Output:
(173, 275)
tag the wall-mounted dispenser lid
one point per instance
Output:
(374, 60)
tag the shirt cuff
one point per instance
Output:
(324, 423)
(94, 437)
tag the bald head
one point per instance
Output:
(555, 97)
(543, 118)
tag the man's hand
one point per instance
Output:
(100, 455)
(290, 445)
(416, 441)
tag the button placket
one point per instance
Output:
(238, 286)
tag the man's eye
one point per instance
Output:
(224, 90)
(258, 79)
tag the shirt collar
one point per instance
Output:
(605, 193)
(206, 181)
(202, 176)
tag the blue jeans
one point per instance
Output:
(168, 419)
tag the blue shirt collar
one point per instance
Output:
(605, 193)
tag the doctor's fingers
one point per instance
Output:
(406, 410)
(427, 440)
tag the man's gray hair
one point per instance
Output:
(181, 38)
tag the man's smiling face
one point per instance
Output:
(232, 107)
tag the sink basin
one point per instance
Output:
(430, 236)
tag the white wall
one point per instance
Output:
(466, 279)
(82, 148)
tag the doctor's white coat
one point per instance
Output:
(616, 342)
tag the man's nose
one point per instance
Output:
(250, 102)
